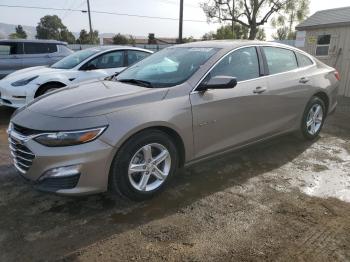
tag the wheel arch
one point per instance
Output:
(324, 97)
(42, 87)
(174, 134)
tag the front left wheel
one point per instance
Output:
(144, 165)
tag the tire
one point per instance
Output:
(48, 88)
(124, 177)
(312, 124)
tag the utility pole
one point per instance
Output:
(89, 12)
(181, 20)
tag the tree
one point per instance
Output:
(293, 12)
(51, 27)
(20, 33)
(261, 35)
(225, 32)
(281, 33)
(85, 38)
(120, 39)
(152, 39)
(248, 13)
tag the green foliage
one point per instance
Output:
(19, 34)
(86, 38)
(51, 27)
(250, 14)
(120, 39)
(293, 12)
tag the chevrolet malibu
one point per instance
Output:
(182, 105)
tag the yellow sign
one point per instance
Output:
(312, 40)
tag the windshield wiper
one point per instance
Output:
(137, 81)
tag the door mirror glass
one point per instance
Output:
(218, 82)
(89, 67)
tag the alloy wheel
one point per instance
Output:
(314, 119)
(149, 167)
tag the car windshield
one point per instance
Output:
(169, 67)
(75, 59)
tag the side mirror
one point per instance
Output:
(89, 67)
(218, 82)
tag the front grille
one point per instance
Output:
(22, 156)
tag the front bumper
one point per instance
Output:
(92, 159)
(16, 97)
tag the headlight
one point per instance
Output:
(70, 138)
(24, 81)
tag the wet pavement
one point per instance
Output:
(283, 200)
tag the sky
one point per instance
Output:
(105, 23)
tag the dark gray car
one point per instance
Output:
(181, 105)
(19, 53)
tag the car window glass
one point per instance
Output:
(170, 66)
(135, 56)
(303, 60)
(242, 64)
(280, 60)
(109, 60)
(75, 58)
(39, 48)
(9, 49)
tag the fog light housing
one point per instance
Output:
(61, 172)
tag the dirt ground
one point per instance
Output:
(284, 200)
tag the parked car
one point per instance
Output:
(199, 100)
(21, 87)
(17, 54)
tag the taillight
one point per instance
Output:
(337, 75)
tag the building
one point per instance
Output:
(326, 35)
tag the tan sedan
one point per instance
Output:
(179, 106)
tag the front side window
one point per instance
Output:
(134, 56)
(108, 60)
(242, 64)
(168, 67)
(10, 49)
(323, 43)
(39, 48)
(280, 60)
(303, 60)
(75, 59)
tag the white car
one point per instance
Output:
(21, 87)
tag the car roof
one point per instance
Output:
(32, 41)
(231, 44)
(117, 47)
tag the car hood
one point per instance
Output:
(94, 98)
(34, 71)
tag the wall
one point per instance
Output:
(339, 52)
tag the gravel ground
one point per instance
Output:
(283, 200)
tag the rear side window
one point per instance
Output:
(39, 48)
(303, 60)
(134, 56)
(242, 64)
(10, 49)
(280, 60)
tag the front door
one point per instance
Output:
(231, 117)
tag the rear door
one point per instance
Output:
(232, 117)
(288, 86)
(11, 57)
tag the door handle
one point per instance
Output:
(259, 90)
(304, 80)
